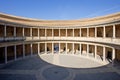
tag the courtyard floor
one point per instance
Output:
(58, 68)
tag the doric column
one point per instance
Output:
(14, 31)
(104, 54)
(23, 50)
(114, 32)
(95, 32)
(104, 32)
(80, 48)
(87, 32)
(45, 48)
(23, 32)
(66, 48)
(73, 49)
(5, 31)
(80, 32)
(113, 55)
(59, 47)
(5, 54)
(31, 50)
(15, 52)
(52, 48)
(87, 50)
(95, 52)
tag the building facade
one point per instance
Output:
(96, 38)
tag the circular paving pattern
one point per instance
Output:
(55, 73)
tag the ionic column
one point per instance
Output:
(14, 31)
(30, 32)
(114, 32)
(66, 32)
(38, 33)
(15, 52)
(95, 32)
(23, 32)
(113, 55)
(5, 54)
(73, 32)
(52, 33)
(31, 46)
(23, 50)
(104, 32)
(5, 31)
(95, 51)
(59, 32)
(80, 32)
(87, 32)
(104, 55)
(45, 33)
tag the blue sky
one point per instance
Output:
(59, 9)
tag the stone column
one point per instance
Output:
(73, 32)
(80, 32)
(38, 33)
(73, 48)
(31, 32)
(87, 50)
(15, 52)
(80, 48)
(5, 31)
(66, 32)
(95, 32)
(104, 32)
(14, 31)
(59, 47)
(23, 50)
(52, 48)
(95, 51)
(45, 33)
(5, 54)
(114, 32)
(66, 48)
(52, 33)
(45, 48)
(59, 32)
(104, 54)
(31, 46)
(87, 32)
(38, 48)
(23, 32)
(113, 55)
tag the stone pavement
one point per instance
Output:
(35, 68)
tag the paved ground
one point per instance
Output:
(35, 68)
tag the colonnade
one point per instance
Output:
(98, 52)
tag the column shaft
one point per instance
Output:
(104, 32)
(23, 50)
(31, 46)
(5, 54)
(14, 31)
(95, 51)
(114, 32)
(15, 52)
(5, 31)
(113, 55)
(104, 54)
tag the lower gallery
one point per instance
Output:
(96, 39)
